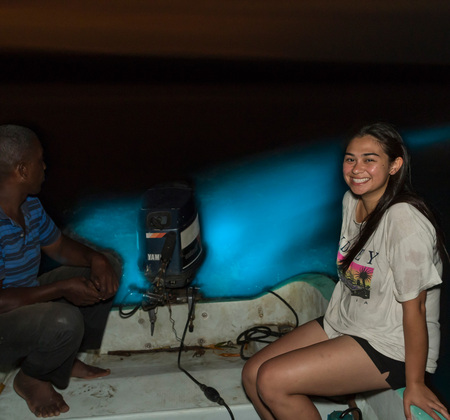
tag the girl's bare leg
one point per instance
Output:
(332, 367)
(303, 336)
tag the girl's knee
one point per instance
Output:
(249, 373)
(268, 382)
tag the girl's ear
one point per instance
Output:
(396, 165)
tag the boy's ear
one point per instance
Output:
(22, 170)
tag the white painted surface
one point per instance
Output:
(216, 321)
(150, 386)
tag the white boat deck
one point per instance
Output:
(146, 384)
(150, 386)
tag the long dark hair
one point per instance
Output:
(398, 190)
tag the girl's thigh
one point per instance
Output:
(330, 367)
(303, 336)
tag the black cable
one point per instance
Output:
(349, 410)
(166, 256)
(287, 304)
(211, 393)
(124, 314)
(256, 334)
(260, 333)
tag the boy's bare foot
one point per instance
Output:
(84, 371)
(41, 397)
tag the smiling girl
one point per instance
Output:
(381, 327)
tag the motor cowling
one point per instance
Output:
(169, 229)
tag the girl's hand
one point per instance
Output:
(421, 396)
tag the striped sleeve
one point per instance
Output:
(2, 268)
(48, 231)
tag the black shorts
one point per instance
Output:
(396, 378)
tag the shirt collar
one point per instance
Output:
(24, 207)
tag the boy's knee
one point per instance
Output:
(63, 322)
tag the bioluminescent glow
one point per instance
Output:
(112, 224)
(268, 218)
(427, 137)
(263, 220)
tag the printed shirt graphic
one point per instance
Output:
(358, 279)
(394, 266)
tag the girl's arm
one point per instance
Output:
(416, 351)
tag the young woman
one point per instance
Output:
(381, 327)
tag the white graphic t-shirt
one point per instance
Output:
(398, 262)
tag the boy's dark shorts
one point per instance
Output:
(396, 378)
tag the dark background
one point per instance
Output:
(114, 125)
(128, 96)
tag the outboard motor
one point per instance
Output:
(170, 230)
(170, 245)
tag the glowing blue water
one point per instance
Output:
(426, 137)
(263, 219)
(268, 218)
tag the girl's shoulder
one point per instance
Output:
(402, 210)
(405, 218)
(349, 199)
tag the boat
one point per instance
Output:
(179, 359)
(147, 382)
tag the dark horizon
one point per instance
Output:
(30, 67)
(127, 123)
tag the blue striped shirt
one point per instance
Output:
(20, 251)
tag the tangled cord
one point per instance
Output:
(211, 393)
(260, 333)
